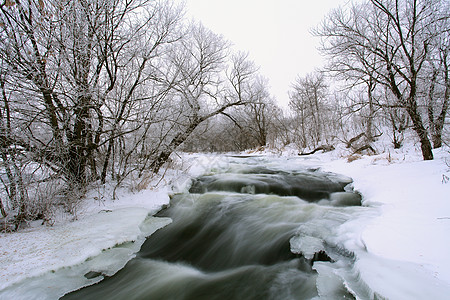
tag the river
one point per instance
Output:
(251, 230)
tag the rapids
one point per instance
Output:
(248, 231)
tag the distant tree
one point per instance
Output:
(242, 126)
(281, 129)
(256, 117)
(308, 99)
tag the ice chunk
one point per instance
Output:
(329, 284)
(306, 245)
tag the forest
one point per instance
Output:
(105, 91)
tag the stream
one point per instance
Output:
(252, 230)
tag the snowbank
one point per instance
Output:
(408, 243)
(44, 262)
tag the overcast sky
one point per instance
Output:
(276, 33)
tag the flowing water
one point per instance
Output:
(250, 231)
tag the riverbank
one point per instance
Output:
(36, 261)
(407, 242)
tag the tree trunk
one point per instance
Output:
(12, 190)
(78, 143)
(438, 124)
(176, 141)
(410, 105)
(370, 89)
(182, 136)
(418, 127)
(2, 209)
(23, 196)
(106, 162)
(5, 133)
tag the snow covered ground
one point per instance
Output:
(406, 243)
(42, 262)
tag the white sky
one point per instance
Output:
(276, 33)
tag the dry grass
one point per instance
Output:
(353, 157)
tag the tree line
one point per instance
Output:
(105, 90)
(390, 59)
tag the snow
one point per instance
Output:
(400, 279)
(401, 245)
(404, 250)
(45, 253)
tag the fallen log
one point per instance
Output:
(365, 147)
(324, 148)
(354, 139)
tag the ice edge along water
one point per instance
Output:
(79, 253)
(405, 246)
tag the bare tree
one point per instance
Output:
(438, 87)
(133, 74)
(64, 59)
(254, 120)
(307, 99)
(73, 74)
(108, 89)
(393, 40)
(199, 64)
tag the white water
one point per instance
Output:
(238, 239)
